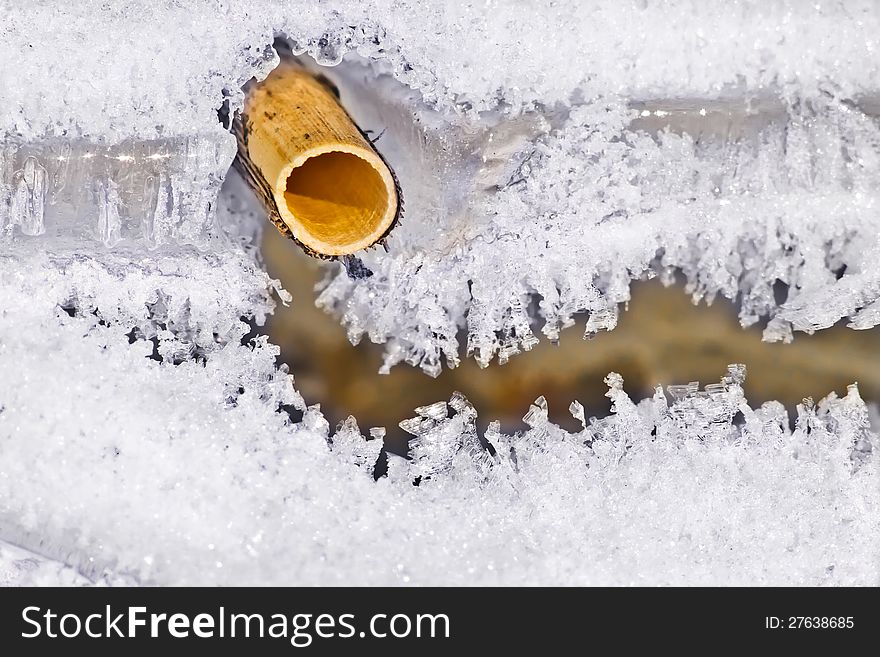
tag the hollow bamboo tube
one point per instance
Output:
(322, 181)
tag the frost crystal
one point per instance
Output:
(353, 447)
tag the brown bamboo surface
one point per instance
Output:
(321, 180)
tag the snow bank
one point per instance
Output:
(186, 473)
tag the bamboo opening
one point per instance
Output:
(323, 182)
(338, 199)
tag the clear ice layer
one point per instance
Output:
(547, 158)
(144, 192)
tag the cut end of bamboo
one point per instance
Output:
(321, 179)
(337, 202)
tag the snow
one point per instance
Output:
(547, 159)
(163, 473)
(22, 568)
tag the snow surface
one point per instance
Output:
(547, 157)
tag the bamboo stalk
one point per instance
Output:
(320, 178)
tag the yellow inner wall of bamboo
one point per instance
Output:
(338, 198)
